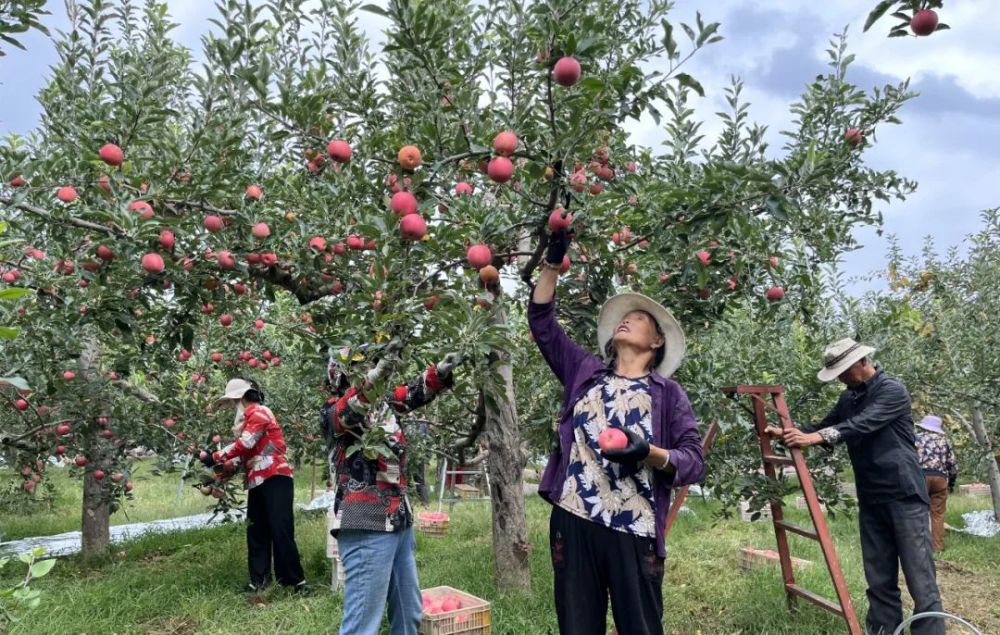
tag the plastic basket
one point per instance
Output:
(473, 618)
(432, 526)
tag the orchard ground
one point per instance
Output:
(190, 582)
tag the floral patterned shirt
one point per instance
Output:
(936, 454)
(612, 494)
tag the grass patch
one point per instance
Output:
(187, 583)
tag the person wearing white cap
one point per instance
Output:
(260, 448)
(937, 458)
(873, 419)
(610, 500)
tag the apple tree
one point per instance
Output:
(916, 17)
(303, 190)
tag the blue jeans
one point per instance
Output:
(379, 567)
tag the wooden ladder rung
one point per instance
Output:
(778, 460)
(796, 529)
(818, 600)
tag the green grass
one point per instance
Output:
(190, 582)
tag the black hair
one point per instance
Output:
(658, 353)
(255, 394)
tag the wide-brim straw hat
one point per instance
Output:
(840, 356)
(624, 303)
(235, 389)
(931, 424)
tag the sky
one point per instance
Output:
(948, 141)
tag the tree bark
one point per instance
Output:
(983, 439)
(505, 466)
(95, 524)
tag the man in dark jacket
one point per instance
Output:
(873, 419)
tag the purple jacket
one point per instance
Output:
(674, 427)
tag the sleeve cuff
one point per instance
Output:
(831, 436)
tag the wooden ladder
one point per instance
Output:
(772, 398)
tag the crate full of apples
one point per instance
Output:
(448, 611)
(433, 523)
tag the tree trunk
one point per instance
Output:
(95, 524)
(983, 439)
(505, 465)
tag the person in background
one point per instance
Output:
(609, 504)
(873, 419)
(373, 518)
(937, 458)
(260, 448)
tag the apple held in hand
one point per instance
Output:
(612, 439)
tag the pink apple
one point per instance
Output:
(612, 439)
(153, 262)
(924, 22)
(142, 208)
(566, 71)
(167, 239)
(318, 243)
(403, 203)
(261, 231)
(560, 219)
(413, 227)
(254, 192)
(339, 150)
(854, 136)
(214, 223)
(479, 256)
(500, 169)
(463, 189)
(505, 143)
(704, 257)
(111, 154)
(774, 294)
(225, 319)
(66, 194)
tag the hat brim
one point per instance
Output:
(624, 303)
(930, 428)
(234, 393)
(826, 375)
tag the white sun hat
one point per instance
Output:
(624, 303)
(235, 389)
(839, 356)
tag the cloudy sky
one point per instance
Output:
(948, 142)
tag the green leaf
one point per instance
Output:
(17, 382)
(42, 567)
(9, 332)
(877, 13)
(13, 293)
(690, 82)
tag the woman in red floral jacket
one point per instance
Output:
(260, 449)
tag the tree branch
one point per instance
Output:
(76, 222)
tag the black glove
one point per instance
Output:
(208, 460)
(637, 449)
(558, 246)
(448, 364)
(951, 484)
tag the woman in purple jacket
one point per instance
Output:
(610, 506)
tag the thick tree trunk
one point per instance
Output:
(95, 524)
(505, 465)
(983, 439)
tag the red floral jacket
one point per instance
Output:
(260, 447)
(371, 494)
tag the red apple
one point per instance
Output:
(28, 486)
(774, 294)
(99, 475)
(63, 429)
(479, 256)
(431, 302)
(560, 219)
(853, 136)
(69, 375)
(214, 223)
(129, 486)
(226, 260)
(505, 143)
(152, 262)
(403, 203)
(318, 243)
(339, 150)
(116, 476)
(566, 71)
(225, 319)
(254, 192)
(489, 274)
(704, 257)
(111, 154)
(142, 208)
(17, 181)
(340, 248)
(355, 242)
(269, 259)
(60, 450)
(184, 355)
(216, 357)
(207, 308)
(258, 324)
(612, 439)
(924, 22)
(500, 169)
(80, 460)
(21, 405)
(104, 253)
(167, 239)
(463, 189)
(413, 227)
(66, 194)
(261, 231)
(773, 261)
(596, 189)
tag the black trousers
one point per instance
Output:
(271, 531)
(893, 534)
(590, 563)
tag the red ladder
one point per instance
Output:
(761, 405)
